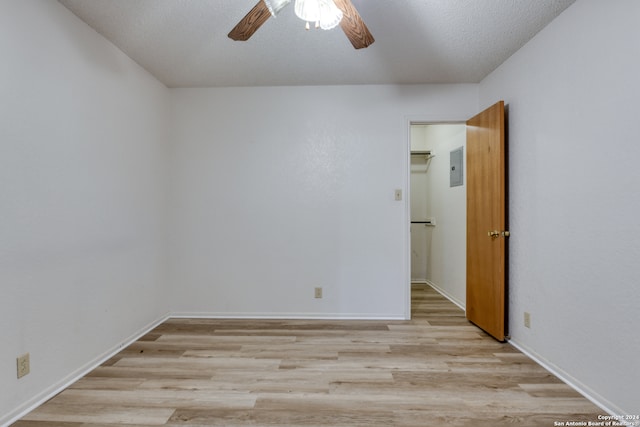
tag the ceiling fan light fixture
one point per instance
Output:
(330, 15)
(275, 6)
(324, 13)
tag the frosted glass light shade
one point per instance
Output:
(330, 15)
(324, 12)
(275, 6)
(308, 10)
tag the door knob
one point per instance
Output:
(494, 234)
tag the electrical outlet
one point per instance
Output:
(318, 292)
(527, 319)
(23, 365)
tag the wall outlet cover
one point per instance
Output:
(527, 319)
(23, 365)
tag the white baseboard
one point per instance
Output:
(565, 377)
(74, 376)
(287, 316)
(447, 295)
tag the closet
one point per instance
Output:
(438, 207)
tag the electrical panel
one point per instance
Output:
(456, 162)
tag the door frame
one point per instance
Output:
(409, 121)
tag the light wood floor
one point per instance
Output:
(434, 370)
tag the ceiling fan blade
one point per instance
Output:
(251, 22)
(353, 25)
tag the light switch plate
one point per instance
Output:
(398, 194)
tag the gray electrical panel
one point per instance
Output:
(456, 158)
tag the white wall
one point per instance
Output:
(82, 187)
(446, 260)
(277, 190)
(572, 96)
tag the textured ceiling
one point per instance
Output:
(184, 43)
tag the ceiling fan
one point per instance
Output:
(345, 14)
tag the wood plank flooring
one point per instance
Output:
(435, 370)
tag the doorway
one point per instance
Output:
(438, 208)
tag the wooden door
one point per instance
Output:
(486, 221)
